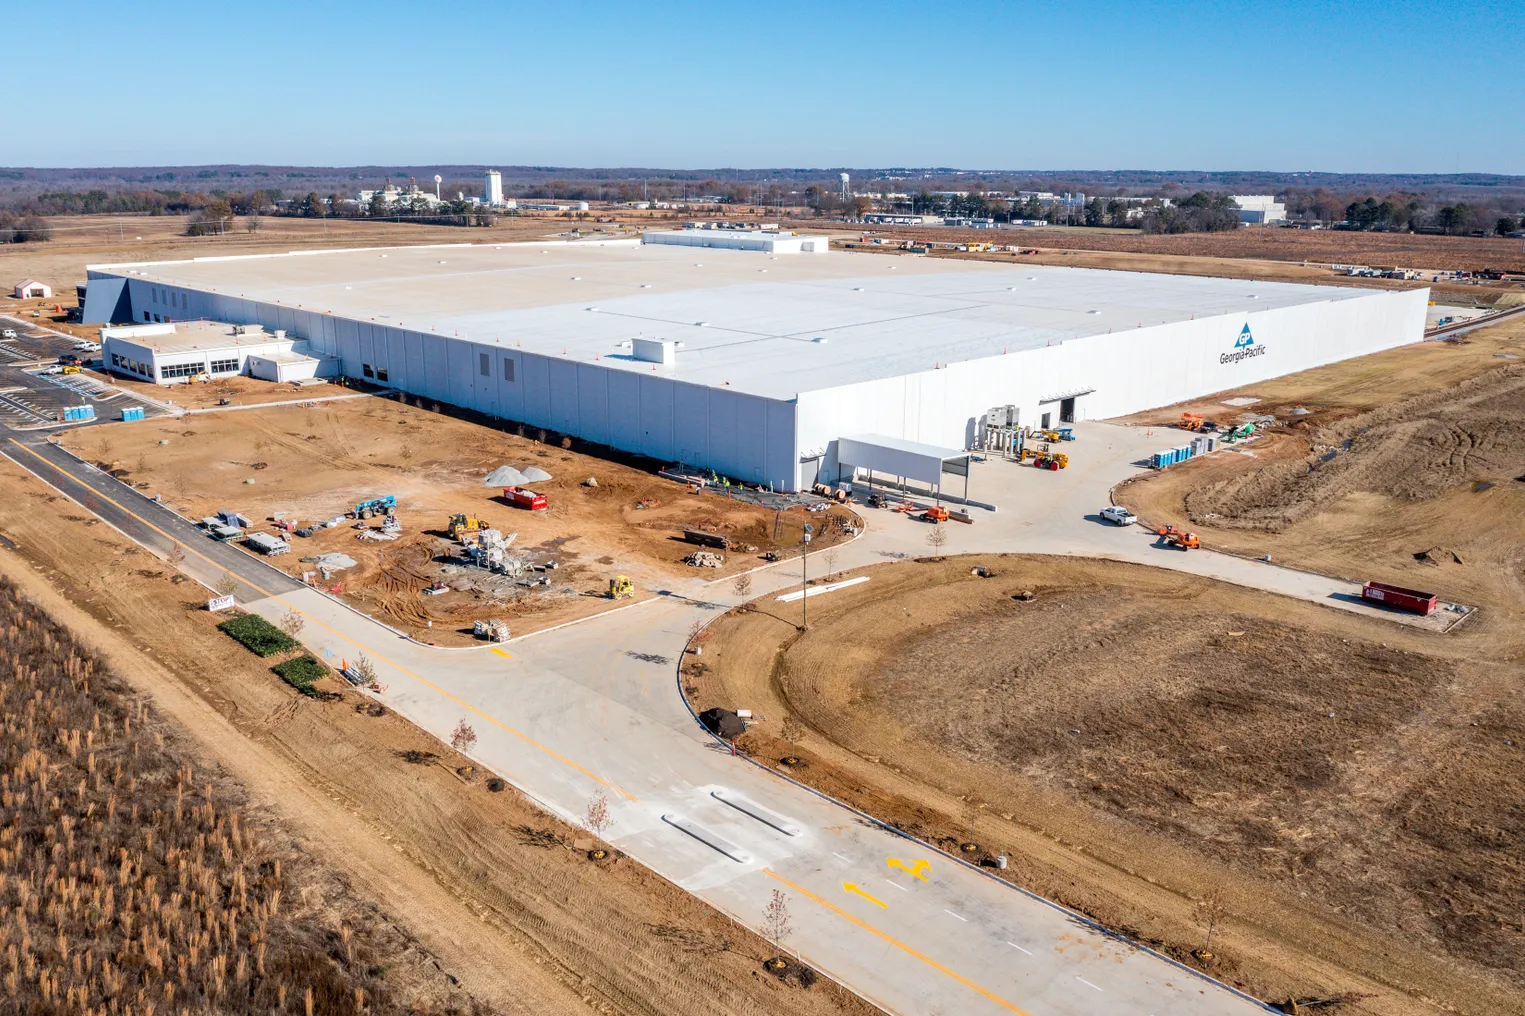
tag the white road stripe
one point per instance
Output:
(897, 885)
(1087, 983)
(1018, 948)
(847, 859)
(947, 911)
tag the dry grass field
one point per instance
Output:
(135, 879)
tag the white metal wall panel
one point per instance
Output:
(460, 372)
(592, 403)
(724, 408)
(625, 429)
(436, 380)
(485, 383)
(563, 382)
(690, 423)
(656, 432)
(510, 393)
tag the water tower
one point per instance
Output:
(846, 190)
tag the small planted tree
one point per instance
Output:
(937, 538)
(743, 585)
(777, 925)
(971, 810)
(463, 738)
(292, 623)
(365, 670)
(227, 585)
(1209, 910)
(598, 818)
(792, 730)
(831, 561)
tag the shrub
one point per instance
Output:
(300, 673)
(257, 635)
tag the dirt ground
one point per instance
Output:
(314, 463)
(1141, 742)
(489, 891)
(1403, 466)
(1280, 255)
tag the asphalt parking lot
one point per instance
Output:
(33, 398)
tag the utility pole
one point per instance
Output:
(805, 579)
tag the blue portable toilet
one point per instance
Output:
(132, 413)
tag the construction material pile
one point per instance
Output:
(508, 476)
(704, 559)
(328, 564)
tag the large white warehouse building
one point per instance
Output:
(757, 364)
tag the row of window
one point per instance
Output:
(379, 373)
(224, 366)
(484, 366)
(174, 370)
(180, 300)
(131, 366)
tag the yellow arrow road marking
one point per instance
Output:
(319, 622)
(929, 961)
(852, 887)
(502, 653)
(917, 868)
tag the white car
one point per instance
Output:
(9, 333)
(1118, 515)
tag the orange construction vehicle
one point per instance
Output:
(937, 513)
(1191, 421)
(1170, 536)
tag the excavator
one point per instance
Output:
(1170, 536)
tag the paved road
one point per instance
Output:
(593, 709)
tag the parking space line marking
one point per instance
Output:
(318, 621)
(1087, 983)
(1018, 948)
(908, 950)
(947, 911)
(847, 859)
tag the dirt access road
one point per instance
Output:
(484, 881)
(313, 463)
(1140, 742)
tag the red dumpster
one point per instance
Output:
(523, 497)
(1411, 600)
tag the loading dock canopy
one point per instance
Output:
(895, 456)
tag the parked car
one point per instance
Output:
(1118, 515)
(9, 333)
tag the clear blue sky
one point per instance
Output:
(1337, 85)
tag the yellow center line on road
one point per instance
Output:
(318, 621)
(929, 961)
(506, 655)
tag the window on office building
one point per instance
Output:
(367, 370)
(508, 368)
(181, 370)
(224, 366)
(484, 364)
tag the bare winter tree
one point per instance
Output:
(292, 623)
(1209, 910)
(743, 585)
(937, 537)
(598, 818)
(463, 738)
(227, 585)
(776, 923)
(831, 561)
(792, 730)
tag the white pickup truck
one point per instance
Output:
(1118, 515)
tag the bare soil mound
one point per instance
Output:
(1411, 450)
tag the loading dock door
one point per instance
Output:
(1066, 402)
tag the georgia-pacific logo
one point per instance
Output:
(1244, 347)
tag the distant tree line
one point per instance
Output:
(24, 229)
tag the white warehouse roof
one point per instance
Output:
(771, 325)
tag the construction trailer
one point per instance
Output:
(753, 363)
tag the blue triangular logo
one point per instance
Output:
(1245, 339)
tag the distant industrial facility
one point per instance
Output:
(734, 350)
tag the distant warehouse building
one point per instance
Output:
(764, 364)
(1259, 209)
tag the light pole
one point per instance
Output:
(805, 579)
